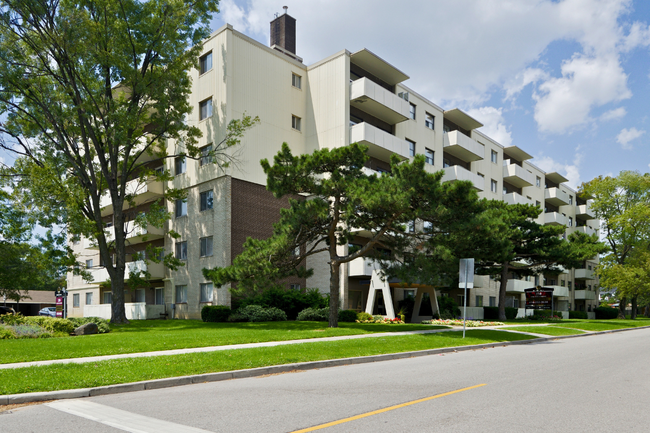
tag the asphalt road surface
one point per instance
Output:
(598, 383)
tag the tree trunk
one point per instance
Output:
(622, 303)
(634, 305)
(646, 311)
(334, 293)
(118, 312)
(502, 292)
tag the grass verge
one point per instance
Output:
(72, 376)
(544, 330)
(605, 325)
(150, 335)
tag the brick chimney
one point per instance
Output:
(283, 32)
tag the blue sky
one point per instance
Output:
(568, 81)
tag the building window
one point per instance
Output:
(139, 295)
(181, 207)
(428, 227)
(296, 81)
(206, 292)
(89, 264)
(562, 283)
(493, 301)
(75, 300)
(89, 298)
(181, 250)
(181, 294)
(206, 155)
(205, 109)
(568, 283)
(493, 186)
(538, 203)
(570, 199)
(159, 298)
(412, 111)
(479, 301)
(538, 181)
(205, 63)
(461, 300)
(108, 297)
(428, 156)
(493, 156)
(179, 165)
(411, 147)
(295, 287)
(206, 200)
(428, 120)
(570, 222)
(206, 246)
(295, 123)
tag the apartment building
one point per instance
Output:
(344, 98)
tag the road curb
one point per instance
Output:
(265, 371)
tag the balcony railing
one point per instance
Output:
(584, 274)
(456, 172)
(518, 286)
(373, 99)
(380, 143)
(587, 295)
(134, 234)
(461, 146)
(555, 219)
(362, 267)
(584, 212)
(142, 190)
(157, 270)
(556, 197)
(517, 175)
(516, 198)
(583, 229)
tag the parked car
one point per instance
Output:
(48, 311)
(6, 310)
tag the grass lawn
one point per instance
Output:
(606, 325)
(49, 378)
(546, 330)
(152, 335)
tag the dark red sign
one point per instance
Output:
(540, 298)
(59, 305)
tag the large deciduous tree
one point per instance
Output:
(91, 93)
(622, 204)
(340, 201)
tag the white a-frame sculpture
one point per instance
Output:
(377, 283)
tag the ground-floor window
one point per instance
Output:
(354, 300)
(139, 295)
(160, 299)
(206, 292)
(181, 294)
(89, 298)
(75, 300)
(493, 301)
(479, 301)
(108, 297)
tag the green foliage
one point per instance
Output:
(215, 313)
(448, 308)
(347, 316)
(490, 313)
(363, 316)
(545, 315)
(606, 313)
(314, 314)
(51, 324)
(102, 324)
(406, 306)
(511, 313)
(578, 315)
(290, 301)
(256, 313)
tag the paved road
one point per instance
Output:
(591, 384)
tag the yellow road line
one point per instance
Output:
(386, 409)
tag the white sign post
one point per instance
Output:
(466, 280)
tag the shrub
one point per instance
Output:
(545, 315)
(215, 313)
(314, 314)
(51, 324)
(511, 313)
(102, 324)
(363, 316)
(606, 313)
(577, 315)
(290, 301)
(256, 313)
(347, 316)
(490, 313)
(448, 307)
(6, 333)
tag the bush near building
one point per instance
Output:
(492, 313)
(606, 313)
(578, 315)
(215, 313)
(291, 302)
(256, 313)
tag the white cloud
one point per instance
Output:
(615, 114)
(494, 124)
(586, 82)
(569, 170)
(626, 135)
(528, 76)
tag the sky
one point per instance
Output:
(567, 81)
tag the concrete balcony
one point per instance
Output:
(582, 229)
(362, 267)
(461, 146)
(518, 176)
(456, 172)
(141, 190)
(516, 198)
(380, 143)
(584, 212)
(373, 99)
(584, 274)
(556, 197)
(555, 219)
(559, 291)
(157, 271)
(134, 235)
(586, 295)
(518, 286)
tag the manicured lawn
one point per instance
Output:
(71, 376)
(606, 325)
(152, 335)
(546, 330)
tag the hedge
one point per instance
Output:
(578, 315)
(215, 313)
(606, 313)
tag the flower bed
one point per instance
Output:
(384, 320)
(457, 322)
